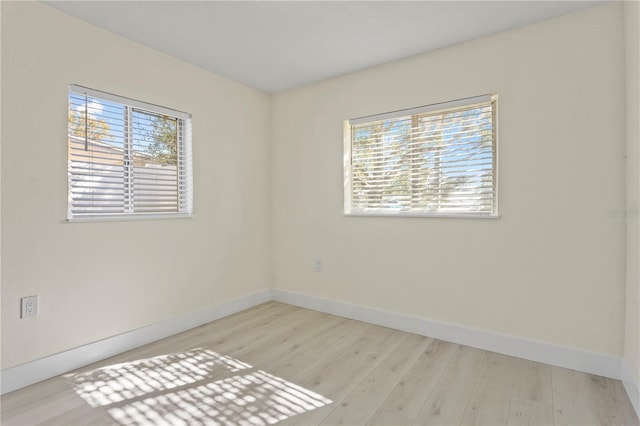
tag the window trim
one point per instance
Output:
(441, 106)
(186, 166)
(81, 90)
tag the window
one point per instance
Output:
(127, 159)
(436, 160)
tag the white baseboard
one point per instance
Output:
(632, 386)
(603, 365)
(560, 356)
(35, 371)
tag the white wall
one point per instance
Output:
(96, 280)
(552, 267)
(632, 50)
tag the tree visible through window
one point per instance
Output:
(126, 157)
(433, 160)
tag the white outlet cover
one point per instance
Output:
(29, 306)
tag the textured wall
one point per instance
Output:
(552, 267)
(96, 280)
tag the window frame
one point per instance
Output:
(184, 162)
(348, 209)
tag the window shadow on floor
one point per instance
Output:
(198, 386)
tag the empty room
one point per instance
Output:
(320, 212)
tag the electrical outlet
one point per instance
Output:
(318, 266)
(29, 307)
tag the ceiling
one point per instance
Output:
(278, 45)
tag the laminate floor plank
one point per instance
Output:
(532, 397)
(81, 415)
(279, 364)
(31, 397)
(362, 403)
(339, 373)
(345, 329)
(406, 354)
(611, 409)
(491, 397)
(287, 340)
(290, 359)
(525, 412)
(387, 418)
(533, 382)
(447, 402)
(310, 417)
(42, 410)
(572, 398)
(354, 349)
(411, 392)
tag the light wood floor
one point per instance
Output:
(276, 363)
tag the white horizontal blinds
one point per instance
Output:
(437, 161)
(185, 184)
(155, 165)
(96, 157)
(125, 160)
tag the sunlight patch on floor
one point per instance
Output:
(199, 386)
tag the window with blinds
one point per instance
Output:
(126, 158)
(435, 160)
